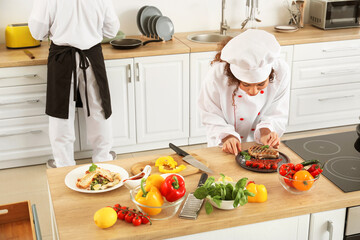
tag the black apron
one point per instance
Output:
(61, 65)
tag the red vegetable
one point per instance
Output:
(313, 168)
(121, 214)
(129, 217)
(136, 221)
(298, 167)
(316, 172)
(173, 188)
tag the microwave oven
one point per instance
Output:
(333, 14)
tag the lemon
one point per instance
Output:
(105, 217)
(227, 178)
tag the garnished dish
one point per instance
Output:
(261, 159)
(91, 178)
(97, 178)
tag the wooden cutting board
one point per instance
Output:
(138, 167)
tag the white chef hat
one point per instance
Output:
(251, 55)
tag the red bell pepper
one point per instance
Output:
(173, 188)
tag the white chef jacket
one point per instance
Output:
(268, 109)
(78, 23)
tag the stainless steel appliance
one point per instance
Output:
(333, 14)
(352, 227)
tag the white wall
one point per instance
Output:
(186, 15)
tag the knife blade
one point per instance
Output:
(190, 159)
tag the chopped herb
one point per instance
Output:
(265, 146)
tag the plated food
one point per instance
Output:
(104, 178)
(260, 158)
(97, 178)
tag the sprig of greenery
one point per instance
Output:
(218, 192)
(245, 155)
(265, 146)
(92, 167)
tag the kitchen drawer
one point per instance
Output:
(23, 138)
(326, 50)
(16, 76)
(325, 72)
(322, 107)
(22, 101)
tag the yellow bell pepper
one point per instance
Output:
(155, 180)
(149, 196)
(170, 163)
(260, 193)
(174, 170)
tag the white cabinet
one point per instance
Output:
(199, 66)
(327, 225)
(150, 102)
(293, 228)
(325, 85)
(162, 98)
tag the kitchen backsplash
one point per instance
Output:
(187, 15)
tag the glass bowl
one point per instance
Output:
(168, 209)
(297, 186)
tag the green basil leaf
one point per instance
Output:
(237, 199)
(217, 200)
(265, 146)
(229, 191)
(222, 177)
(245, 155)
(234, 193)
(208, 182)
(248, 193)
(92, 167)
(243, 199)
(201, 192)
(208, 207)
(241, 183)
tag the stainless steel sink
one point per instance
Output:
(207, 37)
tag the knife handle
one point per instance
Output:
(178, 150)
(202, 180)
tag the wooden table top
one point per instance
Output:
(179, 44)
(74, 211)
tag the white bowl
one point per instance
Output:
(225, 204)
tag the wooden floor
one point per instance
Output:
(30, 183)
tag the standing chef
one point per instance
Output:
(76, 73)
(245, 95)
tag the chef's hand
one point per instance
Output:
(271, 138)
(231, 145)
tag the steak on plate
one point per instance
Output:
(261, 152)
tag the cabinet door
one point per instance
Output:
(327, 225)
(199, 66)
(121, 84)
(322, 107)
(162, 98)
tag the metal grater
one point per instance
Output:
(193, 205)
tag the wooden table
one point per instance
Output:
(73, 211)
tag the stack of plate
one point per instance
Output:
(153, 24)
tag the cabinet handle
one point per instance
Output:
(335, 98)
(339, 72)
(18, 102)
(21, 133)
(137, 72)
(26, 76)
(340, 49)
(330, 229)
(128, 68)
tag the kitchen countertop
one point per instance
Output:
(179, 44)
(74, 211)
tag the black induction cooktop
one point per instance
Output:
(337, 153)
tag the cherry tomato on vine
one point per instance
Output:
(129, 217)
(136, 221)
(121, 214)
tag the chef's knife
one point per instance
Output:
(190, 159)
(192, 205)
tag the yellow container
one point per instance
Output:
(19, 36)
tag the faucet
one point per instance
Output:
(223, 25)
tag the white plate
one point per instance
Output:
(72, 177)
(286, 28)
